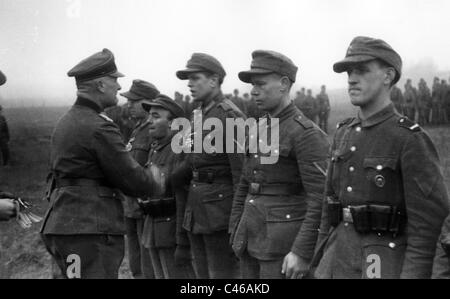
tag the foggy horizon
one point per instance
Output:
(42, 39)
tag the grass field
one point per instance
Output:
(22, 254)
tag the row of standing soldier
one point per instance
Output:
(379, 201)
(422, 104)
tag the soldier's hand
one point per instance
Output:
(294, 266)
(7, 209)
(182, 255)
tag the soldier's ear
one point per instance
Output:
(214, 82)
(389, 76)
(100, 86)
(285, 84)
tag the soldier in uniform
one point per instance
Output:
(139, 147)
(443, 94)
(84, 225)
(309, 106)
(397, 99)
(435, 94)
(386, 197)
(410, 97)
(424, 102)
(7, 206)
(300, 98)
(165, 239)
(4, 138)
(441, 266)
(277, 207)
(238, 101)
(323, 103)
(214, 175)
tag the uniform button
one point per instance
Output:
(358, 129)
(114, 194)
(346, 224)
(194, 185)
(352, 169)
(349, 189)
(392, 245)
(220, 195)
(255, 172)
(251, 201)
(288, 216)
(353, 148)
(379, 167)
(256, 156)
(402, 120)
(168, 219)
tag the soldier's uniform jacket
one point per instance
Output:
(88, 160)
(139, 147)
(385, 160)
(269, 226)
(209, 203)
(163, 232)
(441, 267)
(4, 131)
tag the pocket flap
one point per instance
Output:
(285, 214)
(380, 163)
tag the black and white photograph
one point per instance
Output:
(205, 141)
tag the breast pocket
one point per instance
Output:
(384, 184)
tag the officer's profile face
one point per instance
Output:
(201, 85)
(366, 82)
(267, 91)
(159, 120)
(136, 110)
(109, 86)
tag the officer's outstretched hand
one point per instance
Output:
(294, 266)
(182, 255)
(7, 209)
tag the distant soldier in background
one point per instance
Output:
(436, 91)
(397, 99)
(309, 106)
(443, 94)
(238, 101)
(4, 138)
(139, 146)
(424, 102)
(410, 100)
(323, 103)
(300, 98)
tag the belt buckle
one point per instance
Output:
(255, 188)
(347, 215)
(195, 175)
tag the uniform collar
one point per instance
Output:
(89, 104)
(286, 112)
(375, 119)
(214, 101)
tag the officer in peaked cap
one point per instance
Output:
(375, 171)
(139, 147)
(214, 174)
(277, 206)
(89, 165)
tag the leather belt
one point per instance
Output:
(210, 176)
(274, 189)
(67, 182)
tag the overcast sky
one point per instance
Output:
(40, 40)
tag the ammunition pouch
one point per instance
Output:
(159, 207)
(369, 218)
(211, 176)
(334, 211)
